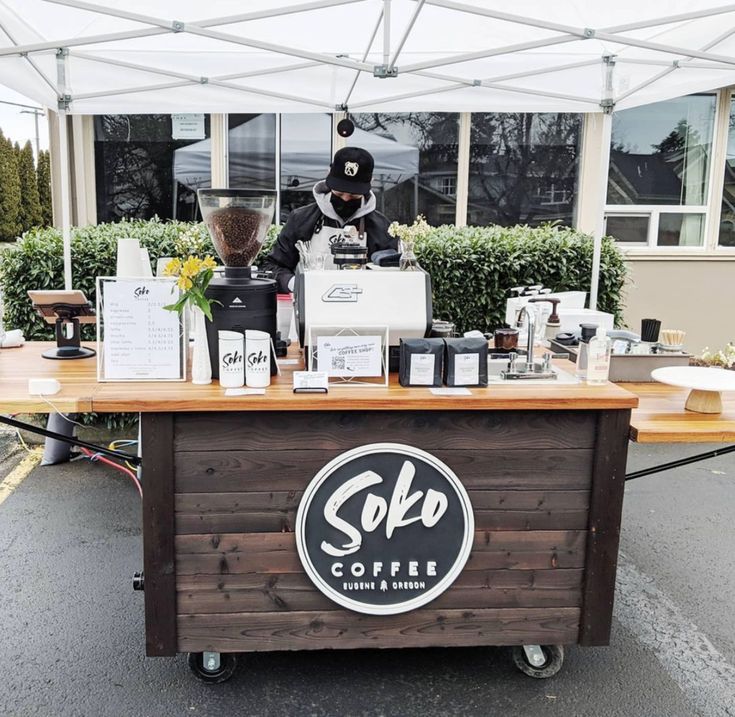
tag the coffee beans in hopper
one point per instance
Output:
(237, 234)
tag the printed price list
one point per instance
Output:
(142, 340)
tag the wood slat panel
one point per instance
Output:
(338, 430)
(341, 629)
(475, 589)
(158, 534)
(276, 511)
(286, 470)
(606, 507)
(285, 521)
(284, 500)
(276, 552)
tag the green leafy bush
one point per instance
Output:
(473, 267)
(35, 261)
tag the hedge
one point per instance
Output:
(471, 267)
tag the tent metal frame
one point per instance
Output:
(698, 58)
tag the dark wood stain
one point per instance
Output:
(158, 534)
(603, 537)
(308, 630)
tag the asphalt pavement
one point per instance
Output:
(72, 631)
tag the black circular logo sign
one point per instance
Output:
(384, 528)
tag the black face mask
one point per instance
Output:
(345, 208)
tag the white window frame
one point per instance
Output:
(654, 212)
(711, 210)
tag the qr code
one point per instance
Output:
(338, 363)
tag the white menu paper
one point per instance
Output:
(142, 340)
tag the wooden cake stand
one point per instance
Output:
(706, 385)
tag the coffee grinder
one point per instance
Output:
(237, 220)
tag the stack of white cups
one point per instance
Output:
(231, 359)
(257, 358)
(244, 359)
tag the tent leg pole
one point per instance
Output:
(606, 119)
(64, 187)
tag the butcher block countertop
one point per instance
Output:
(81, 392)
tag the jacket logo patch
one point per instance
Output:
(351, 168)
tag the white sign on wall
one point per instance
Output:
(187, 126)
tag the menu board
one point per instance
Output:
(141, 340)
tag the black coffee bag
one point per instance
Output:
(465, 362)
(421, 362)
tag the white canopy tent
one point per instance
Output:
(302, 153)
(363, 55)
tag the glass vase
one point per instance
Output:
(201, 367)
(408, 261)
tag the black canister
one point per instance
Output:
(240, 302)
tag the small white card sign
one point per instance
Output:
(187, 126)
(142, 340)
(348, 356)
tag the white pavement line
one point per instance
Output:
(704, 675)
(19, 473)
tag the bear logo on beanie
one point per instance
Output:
(351, 168)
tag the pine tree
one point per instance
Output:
(9, 190)
(44, 187)
(30, 206)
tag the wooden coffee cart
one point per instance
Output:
(544, 469)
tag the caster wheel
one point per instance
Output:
(228, 663)
(554, 655)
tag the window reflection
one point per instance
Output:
(415, 163)
(680, 229)
(252, 151)
(306, 149)
(660, 152)
(523, 168)
(141, 171)
(727, 219)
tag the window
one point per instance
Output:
(659, 168)
(449, 186)
(251, 141)
(415, 156)
(727, 218)
(523, 168)
(306, 152)
(141, 171)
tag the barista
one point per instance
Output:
(343, 210)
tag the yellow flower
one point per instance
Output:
(172, 268)
(191, 267)
(185, 283)
(208, 263)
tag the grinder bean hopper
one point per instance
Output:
(237, 220)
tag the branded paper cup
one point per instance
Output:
(231, 359)
(257, 359)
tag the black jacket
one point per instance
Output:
(300, 225)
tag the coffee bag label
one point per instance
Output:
(422, 369)
(384, 528)
(466, 369)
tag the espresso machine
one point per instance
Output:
(398, 300)
(237, 220)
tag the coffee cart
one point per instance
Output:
(224, 477)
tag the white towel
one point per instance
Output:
(12, 339)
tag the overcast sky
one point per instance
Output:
(20, 127)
